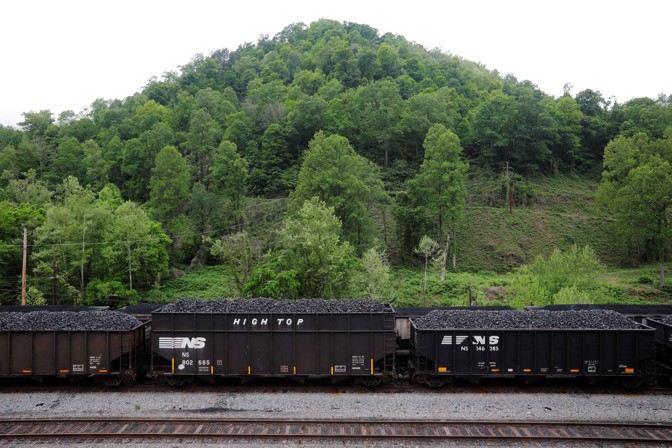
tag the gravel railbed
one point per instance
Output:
(481, 404)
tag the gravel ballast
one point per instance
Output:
(265, 305)
(67, 321)
(480, 404)
(514, 319)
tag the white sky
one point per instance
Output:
(63, 54)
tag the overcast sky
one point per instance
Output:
(63, 54)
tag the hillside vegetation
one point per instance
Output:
(329, 160)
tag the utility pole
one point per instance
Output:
(81, 285)
(25, 264)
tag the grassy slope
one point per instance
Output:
(561, 213)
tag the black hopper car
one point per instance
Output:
(360, 340)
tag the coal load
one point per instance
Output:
(667, 320)
(67, 321)
(140, 308)
(627, 309)
(52, 308)
(265, 305)
(417, 311)
(514, 319)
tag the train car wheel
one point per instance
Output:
(372, 381)
(419, 379)
(176, 381)
(632, 383)
(436, 381)
(113, 381)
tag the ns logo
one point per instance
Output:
(475, 340)
(182, 343)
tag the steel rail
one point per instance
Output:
(360, 429)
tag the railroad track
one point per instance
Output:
(266, 431)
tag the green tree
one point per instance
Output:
(37, 124)
(63, 241)
(68, 159)
(229, 176)
(96, 168)
(376, 112)
(134, 250)
(169, 184)
(169, 200)
(312, 260)
(241, 254)
(374, 278)
(566, 149)
(204, 134)
(428, 249)
(637, 186)
(13, 218)
(28, 190)
(333, 172)
(440, 185)
(563, 277)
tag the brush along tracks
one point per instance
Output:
(267, 431)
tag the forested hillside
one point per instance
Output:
(308, 163)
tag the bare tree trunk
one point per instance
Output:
(661, 274)
(424, 283)
(454, 248)
(444, 259)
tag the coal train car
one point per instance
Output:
(475, 345)
(263, 338)
(40, 344)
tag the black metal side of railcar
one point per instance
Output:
(114, 357)
(266, 345)
(663, 349)
(442, 356)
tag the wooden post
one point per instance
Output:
(25, 264)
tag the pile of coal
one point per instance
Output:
(417, 311)
(266, 305)
(667, 320)
(330, 306)
(67, 321)
(514, 319)
(629, 310)
(141, 308)
(31, 308)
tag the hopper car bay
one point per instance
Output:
(368, 348)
